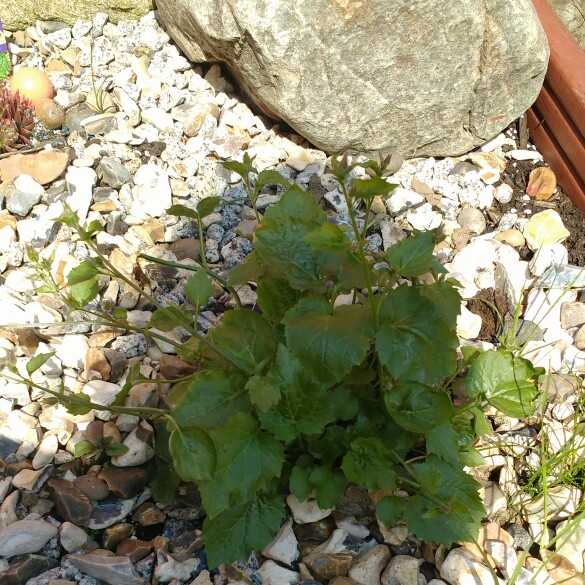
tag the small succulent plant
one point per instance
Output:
(17, 120)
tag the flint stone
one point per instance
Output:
(71, 503)
(489, 61)
(25, 568)
(25, 536)
(112, 570)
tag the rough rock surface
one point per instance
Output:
(357, 75)
(18, 14)
(572, 14)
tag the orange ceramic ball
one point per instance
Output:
(32, 83)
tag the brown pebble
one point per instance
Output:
(50, 113)
(94, 432)
(114, 535)
(95, 359)
(172, 367)
(13, 468)
(125, 482)
(134, 549)
(186, 248)
(111, 430)
(94, 488)
(148, 514)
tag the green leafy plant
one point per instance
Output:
(99, 91)
(344, 377)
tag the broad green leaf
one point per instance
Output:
(78, 404)
(455, 510)
(83, 448)
(247, 459)
(304, 407)
(120, 314)
(328, 237)
(211, 398)
(416, 407)
(169, 318)
(68, 217)
(367, 189)
(199, 288)
(84, 292)
(480, 423)
(236, 167)
(298, 481)
(330, 445)
(346, 271)
(245, 527)
(86, 232)
(471, 457)
(207, 206)
(250, 270)
(268, 177)
(443, 441)
(114, 449)
(329, 342)
(246, 337)
(390, 509)
(329, 485)
(279, 239)
(163, 479)
(414, 342)
(295, 203)
(508, 383)
(413, 256)
(38, 362)
(264, 390)
(183, 211)
(276, 297)
(368, 463)
(345, 403)
(193, 453)
(444, 294)
(85, 271)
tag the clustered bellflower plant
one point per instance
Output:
(343, 376)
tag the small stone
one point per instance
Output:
(561, 502)
(114, 535)
(522, 538)
(327, 566)
(472, 220)
(545, 227)
(112, 570)
(151, 192)
(113, 173)
(109, 511)
(368, 568)
(524, 154)
(572, 315)
(513, 279)
(461, 567)
(94, 432)
(546, 256)
(503, 193)
(424, 218)
(169, 568)
(23, 570)
(172, 367)
(148, 514)
(124, 482)
(93, 487)
(580, 338)
(45, 452)
(307, 511)
(25, 536)
(50, 114)
(186, 248)
(284, 546)
(44, 167)
(468, 323)
(560, 569)
(27, 479)
(402, 199)
(80, 182)
(134, 549)
(71, 503)
(72, 350)
(512, 237)
(402, 570)
(72, 537)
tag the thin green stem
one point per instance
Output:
(201, 242)
(222, 281)
(159, 306)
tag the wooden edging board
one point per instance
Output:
(557, 118)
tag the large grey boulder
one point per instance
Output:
(572, 14)
(18, 14)
(422, 76)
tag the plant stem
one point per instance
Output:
(222, 281)
(201, 242)
(158, 305)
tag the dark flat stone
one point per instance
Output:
(71, 503)
(26, 567)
